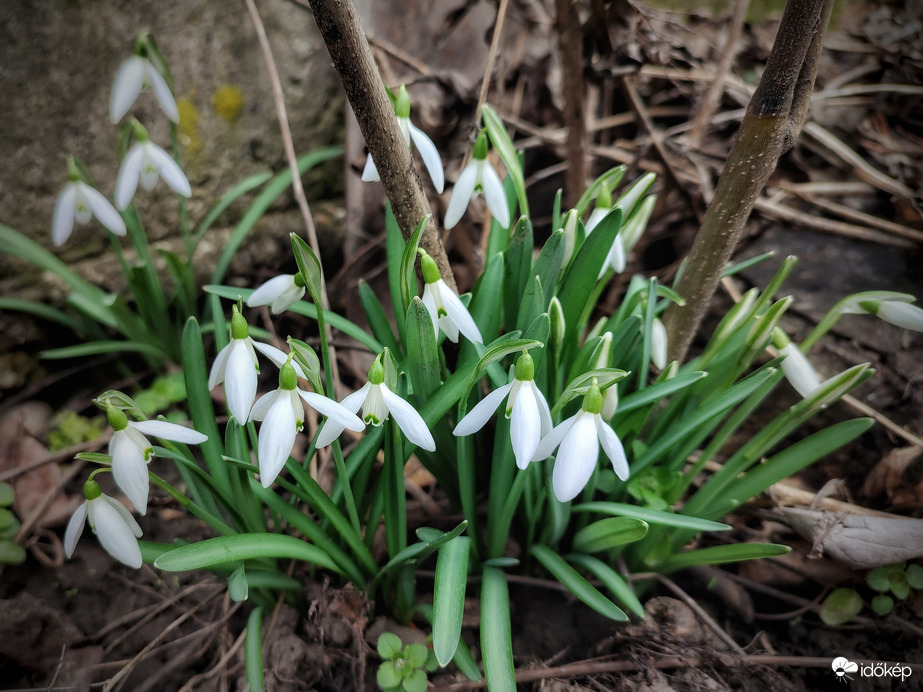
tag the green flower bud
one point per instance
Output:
(288, 378)
(239, 327)
(525, 367)
(429, 267)
(377, 372)
(117, 418)
(480, 146)
(91, 490)
(402, 104)
(593, 399)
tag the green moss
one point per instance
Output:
(229, 102)
(189, 136)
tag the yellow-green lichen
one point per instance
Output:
(188, 130)
(228, 102)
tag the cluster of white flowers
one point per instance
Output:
(145, 162)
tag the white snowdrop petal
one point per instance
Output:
(262, 405)
(216, 375)
(161, 91)
(525, 426)
(370, 173)
(461, 195)
(659, 344)
(74, 529)
(114, 535)
(126, 87)
(240, 381)
(902, 314)
(409, 421)
(333, 410)
(430, 156)
(129, 469)
(169, 170)
(543, 411)
(458, 313)
(551, 441)
(276, 439)
(798, 370)
(129, 175)
(613, 448)
(169, 431)
(494, 194)
(430, 298)
(104, 211)
(277, 356)
(576, 458)
(125, 514)
(478, 416)
(63, 221)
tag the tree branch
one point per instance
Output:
(349, 49)
(774, 119)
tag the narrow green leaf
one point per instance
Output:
(720, 554)
(609, 533)
(449, 597)
(500, 138)
(46, 312)
(652, 516)
(423, 363)
(577, 585)
(611, 579)
(225, 549)
(308, 266)
(95, 348)
(496, 637)
(239, 190)
(516, 267)
(547, 266)
(658, 392)
(377, 317)
(408, 275)
(612, 178)
(253, 650)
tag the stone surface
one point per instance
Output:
(60, 58)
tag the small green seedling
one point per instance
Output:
(403, 667)
(897, 579)
(10, 553)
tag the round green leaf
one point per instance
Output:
(840, 606)
(389, 645)
(882, 604)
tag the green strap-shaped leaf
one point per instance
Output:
(720, 554)
(408, 276)
(652, 516)
(225, 549)
(608, 533)
(253, 650)
(516, 269)
(577, 585)
(377, 317)
(422, 362)
(500, 138)
(496, 637)
(449, 597)
(611, 579)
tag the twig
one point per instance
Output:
(820, 223)
(700, 612)
(570, 47)
(339, 25)
(774, 118)
(297, 187)
(712, 98)
(491, 59)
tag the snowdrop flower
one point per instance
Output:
(659, 344)
(135, 74)
(611, 396)
(634, 220)
(116, 529)
(478, 176)
(577, 440)
(570, 237)
(131, 451)
(282, 413)
(526, 408)
(79, 202)
(899, 313)
(412, 133)
(146, 162)
(798, 371)
(280, 292)
(445, 308)
(378, 402)
(237, 367)
(616, 256)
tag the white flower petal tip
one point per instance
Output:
(577, 440)
(135, 74)
(798, 370)
(901, 314)
(77, 203)
(430, 156)
(146, 162)
(115, 528)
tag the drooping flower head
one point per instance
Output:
(116, 529)
(131, 451)
(412, 133)
(526, 409)
(377, 403)
(79, 202)
(138, 73)
(237, 366)
(282, 414)
(280, 292)
(445, 308)
(577, 440)
(145, 162)
(478, 176)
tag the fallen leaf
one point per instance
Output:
(862, 542)
(893, 477)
